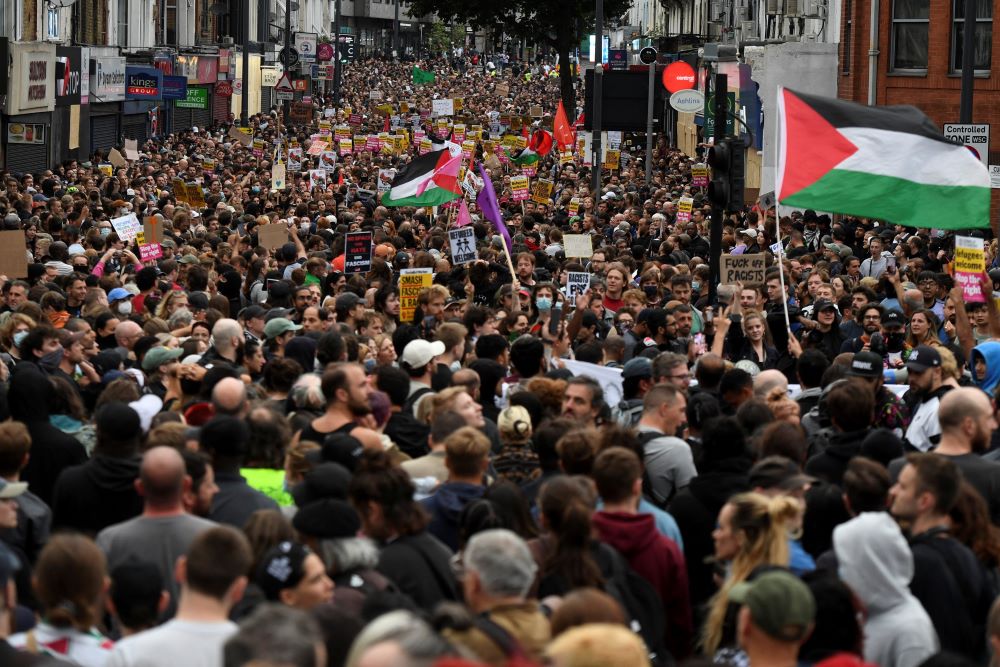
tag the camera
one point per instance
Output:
(877, 344)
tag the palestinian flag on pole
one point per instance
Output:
(890, 163)
(538, 147)
(428, 180)
(525, 158)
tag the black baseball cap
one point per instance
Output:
(893, 318)
(922, 358)
(866, 365)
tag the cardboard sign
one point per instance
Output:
(577, 283)
(535, 111)
(116, 159)
(684, 208)
(127, 227)
(746, 269)
(541, 193)
(196, 198)
(519, 187)
(411, 281)
(272, 236)
(239, 136)
(463, 245)
(13, 256)
(131, 149)
(612, 158)
(152, 229)
(358, 252)
(970, 262)
(150, 251)
(277, 177)
(578, 245)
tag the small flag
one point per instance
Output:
(463, 217)
(422, 76)
(430, 179)
(565, 136)
(890, 163)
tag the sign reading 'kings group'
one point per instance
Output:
(143, 83)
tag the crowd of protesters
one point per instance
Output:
(237, 454)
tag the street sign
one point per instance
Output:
(678, 76)
(284, 84)
(238, 87)
(305, 44)
(289, 57)
(647, 56)
(324, 52)
(346, 50)
(687, 101)
(618, 59)
(974, 136)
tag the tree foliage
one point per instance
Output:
(561, 24)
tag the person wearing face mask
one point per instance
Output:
(120, 301)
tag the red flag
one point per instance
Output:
(563, 132)
(579, 121)
(524, 131)
(541, 142)
(340, 178)
(385, 125)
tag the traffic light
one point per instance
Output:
(727, 159)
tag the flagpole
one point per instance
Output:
(777, 221)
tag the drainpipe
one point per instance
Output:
(873, 54)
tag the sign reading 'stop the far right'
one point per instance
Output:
(975, 136)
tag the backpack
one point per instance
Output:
(647, 482)
(642, 606)
(413, 398)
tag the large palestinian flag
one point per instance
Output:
(890, 163)
(428, 180)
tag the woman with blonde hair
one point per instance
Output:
(456, 399)
(753, 530)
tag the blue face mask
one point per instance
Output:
(543, 303)
(255, 189)
(370, 365)
(19, 337)
(695, 285)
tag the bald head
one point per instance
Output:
(913, 299)
(961, 408)
(161, 478)
(768, 380)
(226, 334)
(229, 397)
(127, 333)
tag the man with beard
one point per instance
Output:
(924, 397)
(967, 423)
(346, 389)
(871, 323)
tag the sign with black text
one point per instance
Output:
(463, 245)
(577, 283)
(746, 269)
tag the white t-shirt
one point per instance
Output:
(174, 643)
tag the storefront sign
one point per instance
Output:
(198, 69)
(269, 76)
(175, 88)
(67, 75)
(32, 83)
(224, 89)
(25, 133)
(143, 83)
(197, 98)
(108, 81)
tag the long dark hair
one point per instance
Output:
(378, 480)
(567, 504)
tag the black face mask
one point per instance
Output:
(895, 341)
(107, 342)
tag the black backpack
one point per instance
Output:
(642, 605)
(412, 399)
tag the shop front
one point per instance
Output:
(27, 120)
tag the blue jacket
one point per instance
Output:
(445, 507)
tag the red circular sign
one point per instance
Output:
(224, 88)
(324, 52)
(678, 76)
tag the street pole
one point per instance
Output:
(395, 31)
(338, 64)
(598, 94)
(288, 50)
(968, 61)
(245, 97)
(649, 126)
(718, 212)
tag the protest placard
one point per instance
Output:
(699, 175)
(574, 206)
(519, 188)
(463, 245)
(411, 281)
(152, 229)
(541, 193)
(970, 262)
(116, 159)
(150, 251)
(577, 283)
(13, 257)
(358, 252)
(272, 236)
(684, 208)
(127, 227)
(746, 269)
(444, 107)
(131, 149)
(317, 178)
(385, 177)
(578, 245)
(195, 195)
(277, 177)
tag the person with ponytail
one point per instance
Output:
(753, 531)
(382, 494)
(568, 552)
(70, 579)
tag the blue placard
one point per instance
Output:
(175, 88)
(143, 83)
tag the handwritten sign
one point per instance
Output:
(970, 262)
(463, 245)
(411, 281)
(444, 107)
(746, 269)
(277, 177)
(578, 245)
(577, 283)
(542, 192)
(127, 227)
(13, 258)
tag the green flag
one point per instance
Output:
(421, 76)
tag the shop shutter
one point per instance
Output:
(181, 120)
(136, 126)
(200, 118)
(27, 157)
(103, 133)
(266, 97)
(220, 108)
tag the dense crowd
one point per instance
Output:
(238, 453)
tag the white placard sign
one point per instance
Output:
(463, 245)
(127, 227)
(445, 107)
(577, 282)
(578, 245)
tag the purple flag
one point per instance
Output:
(487, 202)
